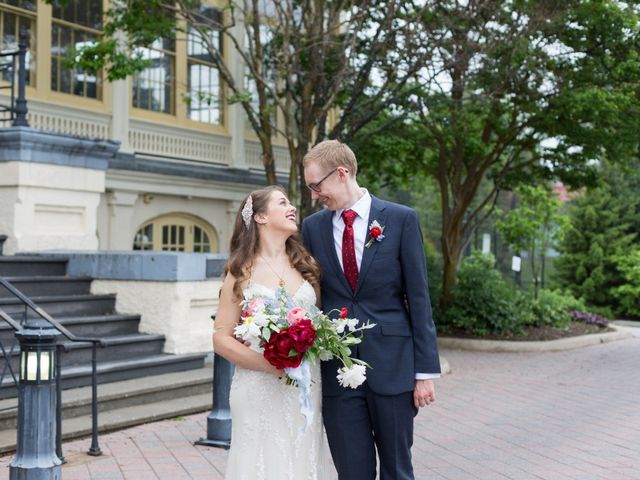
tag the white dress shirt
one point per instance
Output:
(360, 229)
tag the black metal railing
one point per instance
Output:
(95, 342)
(10, 64)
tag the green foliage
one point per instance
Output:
(484, 302)
(388, 159)
(604, 227)
(552, 308)
(535, 223)
(534, 226)
(628, 294)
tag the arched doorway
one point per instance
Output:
(176, 232)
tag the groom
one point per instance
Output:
(379, 273)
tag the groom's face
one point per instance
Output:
(326, 186)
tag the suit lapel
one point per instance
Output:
(378, 213)
(327, 237)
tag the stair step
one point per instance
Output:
(142, 391)
(34, 286)
(64, 305)
(116, 347)
(118, 370)
(92, 325)
(19, 266)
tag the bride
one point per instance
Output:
(268, 441)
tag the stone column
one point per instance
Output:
(236, 122)
(120, 225)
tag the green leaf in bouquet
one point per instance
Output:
(293, 352)
(266, 333)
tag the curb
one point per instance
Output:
(530, 346)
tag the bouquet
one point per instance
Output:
(293, 338)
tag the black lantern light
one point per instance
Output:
(36, 457)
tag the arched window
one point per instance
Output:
(176, 232)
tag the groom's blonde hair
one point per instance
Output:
(331, 154)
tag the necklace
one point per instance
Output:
(281, 283)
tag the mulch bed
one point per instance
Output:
(535, 333)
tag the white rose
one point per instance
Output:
(260, 319)
(352, 377)
(352, 323)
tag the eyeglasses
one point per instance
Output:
(316, 186)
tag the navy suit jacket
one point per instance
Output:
(392, 292)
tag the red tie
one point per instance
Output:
(349, 264)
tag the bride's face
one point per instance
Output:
(280, 214)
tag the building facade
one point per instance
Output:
(158, 161)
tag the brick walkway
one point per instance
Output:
(568, 415)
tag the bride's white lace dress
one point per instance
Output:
(267, 441)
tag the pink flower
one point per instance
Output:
(296, 314)
(255, 305)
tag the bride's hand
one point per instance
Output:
(246, 343)
(275, 371)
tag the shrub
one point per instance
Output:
(628, 294)
(484, 302)
(552, 308)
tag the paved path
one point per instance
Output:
(567, 415)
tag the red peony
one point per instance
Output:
(303, 335)
(375, 232)
(344, 312)
(277, 349)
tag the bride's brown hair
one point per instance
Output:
(245, 242)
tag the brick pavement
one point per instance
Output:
(571, 415)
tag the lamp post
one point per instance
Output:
(219, 419)
(36, 457)
(21, 102)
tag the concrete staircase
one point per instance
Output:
(137, 382)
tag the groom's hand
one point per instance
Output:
(424, 394)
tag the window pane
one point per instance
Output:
(87, 13)
(205, 90)
(10, 25)
(153, 87)
(204, 94)
(25, 4)
(64, 40)
(144, 238)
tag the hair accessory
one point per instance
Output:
(247, 211)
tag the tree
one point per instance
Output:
(604, 227)
(310, 69)
(533, 226)
(521, 92)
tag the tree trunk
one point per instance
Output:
(268, 159)
(452, 244)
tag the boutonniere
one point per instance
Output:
(375, 233)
